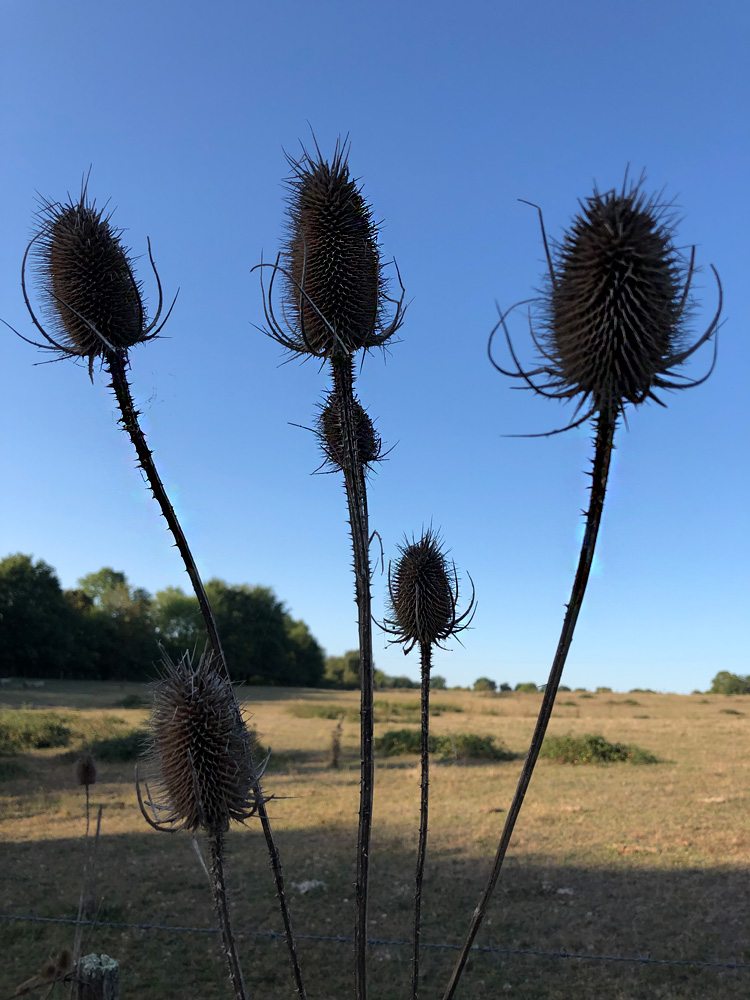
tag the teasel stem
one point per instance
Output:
(117, 365)
(219, 889)
(425, 649)
(605, 429)
(342, 369)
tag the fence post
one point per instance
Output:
(98, 978)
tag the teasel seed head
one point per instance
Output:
(423, 590)
(330, 430)
(90, 296)
(335, 294)
(86, 770)
(200, 754)
(615, 308)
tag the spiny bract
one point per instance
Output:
(91, 297)
(423, 594)
(201, 750)
(334, 300)
(330, 431)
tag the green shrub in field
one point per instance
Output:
(727, 683)
(314, 710)
(526, 687)
(119, 749)
(593, 749)
(460, 746)
(132, 701)
(22, 730)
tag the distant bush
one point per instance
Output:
(641, 691)
(505, 687)
(316, 710)
(726, 683)
(604, 690)
(730, 711)
(132, 701)
(593, 749)
(119, 749)
(562, 687)
(459, 746)
(586, 694)
(437, 683)
(527, 687)
(484, 684)
(22, 730)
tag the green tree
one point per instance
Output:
(121, 625)
(178, 621)
(727, 683)
(438, 683)
(307, 665)
(484, 684)
(343, 671)
(36, 635)
(526, 687)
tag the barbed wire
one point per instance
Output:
(342, 939)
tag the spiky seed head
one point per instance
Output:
(615, 306)
(86, 279)
(330, 431)
(422, 596)
(86, 770)
(334, 284)
(201, 753)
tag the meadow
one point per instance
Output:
(613, 860)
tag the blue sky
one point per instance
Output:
(453, 112)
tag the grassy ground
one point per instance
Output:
(653, 859)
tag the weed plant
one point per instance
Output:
(609, 329)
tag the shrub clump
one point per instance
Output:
(459, 746)
(120, 749)
(593, 749)
(21, 730)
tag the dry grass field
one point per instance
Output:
(650, 861)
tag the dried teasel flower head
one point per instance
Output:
(86, 770)
(614, 312)
(423, 590)
(91, 299)
(200, 754)
(335, 299)
(330, 431)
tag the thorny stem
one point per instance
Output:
(356, 495)
(426, 655)
(117, 364)
(218, 886)
(605, 430)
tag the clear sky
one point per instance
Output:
(454, 112)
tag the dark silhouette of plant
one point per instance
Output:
(336, 303)
(203, 770)
(423, 592)
(95, 308)
(613, 319)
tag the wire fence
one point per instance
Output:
(340, 939)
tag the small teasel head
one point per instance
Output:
(330, 431)
(86, 770)
(91, 299)
(614, 312)
(200, 753)
(335, 299)
(423, 590)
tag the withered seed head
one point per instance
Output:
(615, 307)
(424, 594)
(330, 431)
(92, 299)
(200, 754)
(86, 770)
(335, 293)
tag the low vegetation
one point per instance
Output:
(593, 749)
(450, 746)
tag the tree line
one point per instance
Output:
(106, 629)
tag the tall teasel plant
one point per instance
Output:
(336, 304)
(94, 308)
(612, 333)
(423, 592)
